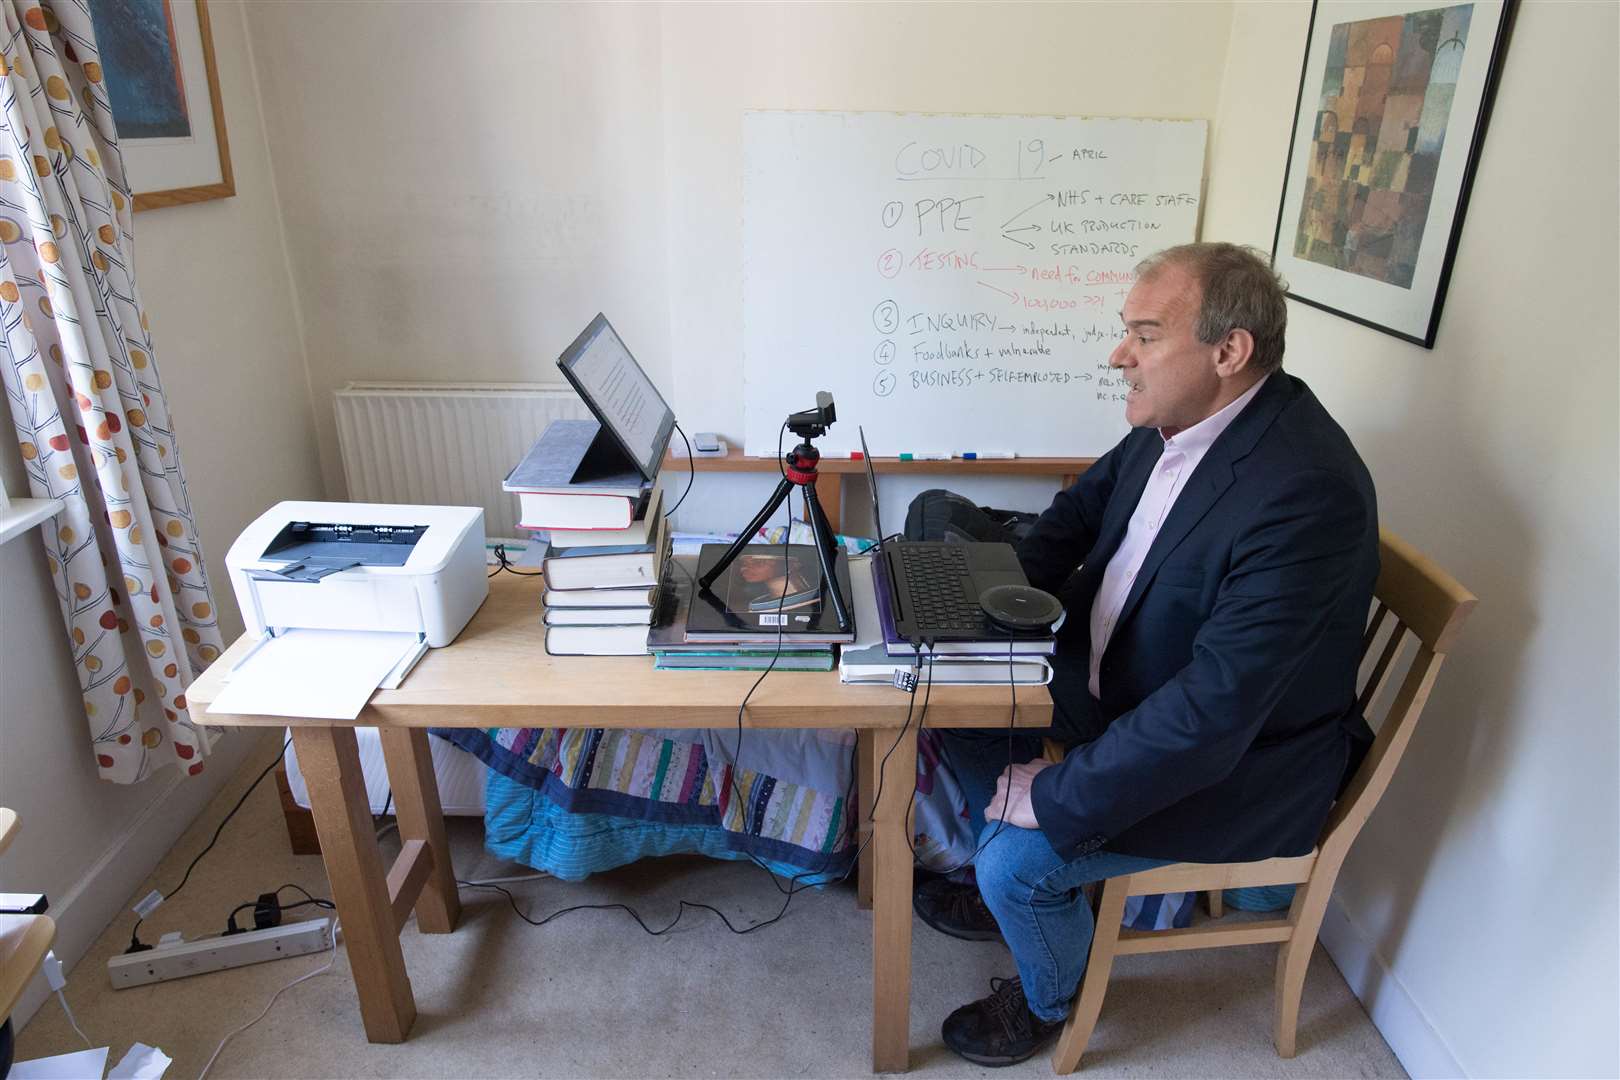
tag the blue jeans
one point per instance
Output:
(1033, 892)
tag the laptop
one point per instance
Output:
(936, 585)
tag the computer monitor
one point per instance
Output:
(618, 392)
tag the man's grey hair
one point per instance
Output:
(1241, 291)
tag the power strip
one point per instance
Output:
(163, 962)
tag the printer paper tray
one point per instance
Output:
(317, 673)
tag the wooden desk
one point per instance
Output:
(497, 674)
(830, 484)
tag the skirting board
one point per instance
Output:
(102, 894)
(1422, 1051)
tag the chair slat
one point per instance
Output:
(1357, 801)
(1381, 670)
(1133, 942)
(1373, 627)
(1197, 877)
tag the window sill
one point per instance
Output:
(24, 514)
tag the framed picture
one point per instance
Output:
(1392, 106)
(158, 60)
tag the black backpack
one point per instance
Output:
(937, 514)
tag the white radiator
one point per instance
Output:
(446, 444)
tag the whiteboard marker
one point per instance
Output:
(980, 455)
(924, 457)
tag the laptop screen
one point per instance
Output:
(871, 485)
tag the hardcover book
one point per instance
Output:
(766, 592)
(607, 567)
(668, 636)
(566, 481)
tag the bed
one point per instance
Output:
(578, 801)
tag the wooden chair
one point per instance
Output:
(24, 941)
(1425, 600)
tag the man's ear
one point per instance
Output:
(1233, 354)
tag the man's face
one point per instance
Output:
(1172, 374)
(757, 569)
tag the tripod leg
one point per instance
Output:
(782, 489)
(827, 554)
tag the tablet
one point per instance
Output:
(618, 392)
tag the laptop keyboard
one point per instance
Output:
(934, 579)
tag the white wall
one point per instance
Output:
(463, 186)
(1476, 915)
(466, 185)
(214, 280)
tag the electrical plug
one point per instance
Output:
(267, 911)
(53, 971)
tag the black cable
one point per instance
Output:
(251, 905)
(691, 465)
(134, 935)
(501, 563)
(319, 900)
(794, 885)
(736, 754)
(1006, 800)
(683, 905)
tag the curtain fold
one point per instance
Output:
(82, 382)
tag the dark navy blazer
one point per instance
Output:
(1227, 709)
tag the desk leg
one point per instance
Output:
(330, 760)
(416, 804)
(891, 909)
(866, 757)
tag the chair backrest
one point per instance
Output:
(1432, 606)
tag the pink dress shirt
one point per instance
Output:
(1182, 453)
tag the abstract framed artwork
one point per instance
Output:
(1392, 108)
(158, 60)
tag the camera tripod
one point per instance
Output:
(798, 470)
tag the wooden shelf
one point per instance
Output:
(24, 514)
(1024, 466)
(829, 487)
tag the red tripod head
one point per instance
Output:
(800, 463)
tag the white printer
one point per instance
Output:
(413, 570)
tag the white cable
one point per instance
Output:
(541, 876)
(63, 999)
(58, 981)
(309, 975)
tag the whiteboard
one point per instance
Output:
(955, 281)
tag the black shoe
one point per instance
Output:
(999, 1029)
(957, 910)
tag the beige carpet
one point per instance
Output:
(590, 994)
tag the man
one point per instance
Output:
(1227, 550)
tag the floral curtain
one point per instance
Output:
(81, 378)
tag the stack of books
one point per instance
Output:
(880, 653)
(607, 541)
(767, 606)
